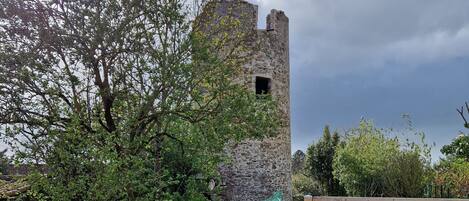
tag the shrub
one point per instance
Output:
(371, 164)
(304, 185)
(454, 173)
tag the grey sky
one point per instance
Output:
(376, 59)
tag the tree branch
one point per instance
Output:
(461, 113)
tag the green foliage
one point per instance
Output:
(360, 164)
(298, 162)
(13, 189)
(459, 148)
(370, 164)
(453, 172)
(123, 100)
(319, 161)
(304, 185)
(406, 175)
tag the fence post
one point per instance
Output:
(441, 191)
(308, 198)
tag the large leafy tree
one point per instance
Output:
(319, 158)
(123, 100)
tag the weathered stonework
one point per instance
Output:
(261, 168)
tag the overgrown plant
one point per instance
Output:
(304, 185)
(373, 164)
(123, 100)
(453, 173)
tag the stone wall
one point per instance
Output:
(23, 169)
(261, 167)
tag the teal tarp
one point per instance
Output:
(277, 196)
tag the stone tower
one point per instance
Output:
(261, 168)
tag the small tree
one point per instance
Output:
(298, 162)
(319, 162)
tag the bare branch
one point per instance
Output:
(461, 113)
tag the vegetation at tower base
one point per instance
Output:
(123, 100)
(371, 164)
(319, 162)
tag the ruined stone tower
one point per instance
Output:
(261, 168)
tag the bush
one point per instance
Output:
(371, 164)
(304, 185)
(454, 173)
(405, 175)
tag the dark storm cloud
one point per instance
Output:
(342, 36)
(376, 59)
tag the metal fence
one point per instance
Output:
(446, 191)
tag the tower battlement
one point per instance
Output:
(247, 14)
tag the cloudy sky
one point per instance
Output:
(376, 59)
